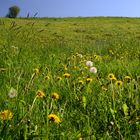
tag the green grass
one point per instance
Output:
(31, 49)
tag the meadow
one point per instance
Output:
(70, 78)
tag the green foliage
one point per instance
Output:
(13, 12)
(44, 56)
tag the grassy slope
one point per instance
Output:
(26, 44)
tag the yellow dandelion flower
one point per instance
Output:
(88, 80)
(66, 75)
(111, 76)
(40, 94)
(59, 78)
(95, 56)
(36, 70)
(54, 118)
(81, 82)
(77, 53)
(2, 69)
(119, 83)
(6, 115)
(55, 96)
(65, 68)
(47, 77)
(128, 78)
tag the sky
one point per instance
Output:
(73, 8)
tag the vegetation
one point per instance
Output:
(70, 78)
(13, 12)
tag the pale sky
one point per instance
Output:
(72, 8)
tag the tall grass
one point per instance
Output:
(40, 57)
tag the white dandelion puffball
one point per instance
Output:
(12, 93)
(93, 70)
(89, 63)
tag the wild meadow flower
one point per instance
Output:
(127, 78)
(54, 118)
(59, 78)
(111, 76)
(55, 96)
(88, 80)
(6, 115)
(36, 70)
(93, 70)
(95, 56)
(89, 63)
(66, 75)
(65, 68)
(12, 93)
(81, 82)
(119, 83)
(40, 94)
(47, 77)
(2, 69)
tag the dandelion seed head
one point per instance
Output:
(12, 93)
(93, 70)
(89, 63)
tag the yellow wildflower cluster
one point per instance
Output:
(111, 76)
(6, 115)
(54, 118)
(55, 96)
(119, 83)
(40, 94)
(66, 75)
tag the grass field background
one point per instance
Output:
(44, 71)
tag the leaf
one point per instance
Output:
(125, 109)
(84, 101)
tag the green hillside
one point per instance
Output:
(70, 78)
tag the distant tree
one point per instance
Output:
(13, 12)
(28, 15)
